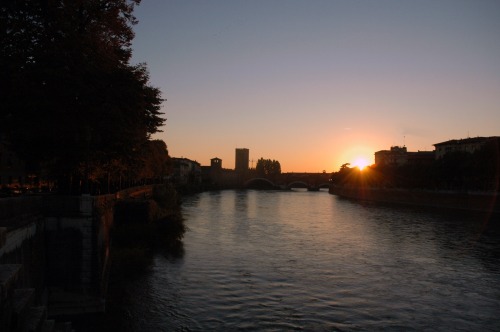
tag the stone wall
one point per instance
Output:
(78, 239)
(62, 245)
(23, 290)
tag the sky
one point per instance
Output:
(315, 84)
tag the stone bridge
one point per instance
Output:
(311, 181)
(54, 253)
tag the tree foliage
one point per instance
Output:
(268, 167)
(68, 94)
(454, 171)
(155, 161)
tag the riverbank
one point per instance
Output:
(299, 260)
(470, 201)
(145, 225)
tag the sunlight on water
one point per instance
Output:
(308, 260)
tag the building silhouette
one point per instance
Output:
(216, 164)
(468, 145)
(241, 160)
(186, 171)
(399, 155)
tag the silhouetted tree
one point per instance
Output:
(453, 169)
(268, 167)
(155, 160)
(458, 170)
(70, 98)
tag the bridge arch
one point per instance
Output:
(259, 183)
(297, 184)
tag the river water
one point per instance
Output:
(298, 260)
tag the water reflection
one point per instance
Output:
(303, 260)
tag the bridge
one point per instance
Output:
(311, 181)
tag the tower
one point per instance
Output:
(216, 163)
(241, 160)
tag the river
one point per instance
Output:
(299, 260)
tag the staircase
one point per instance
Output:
(19, 311)
(22, 264)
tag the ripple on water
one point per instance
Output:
(310, 261)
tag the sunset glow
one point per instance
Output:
(360, 163)
(317, 84)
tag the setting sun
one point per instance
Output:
(360, 163)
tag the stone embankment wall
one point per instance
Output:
(23, 274)
(160, 202)
(77, 230)
(22, 239)
(54, 253)
(472, 201)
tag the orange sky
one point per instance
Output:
(315, 84)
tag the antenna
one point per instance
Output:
(404, 140)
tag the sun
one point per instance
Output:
(360, 163)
